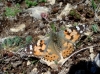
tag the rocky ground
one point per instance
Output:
(24, 21)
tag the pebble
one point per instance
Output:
(34, 71)
(48, 72)
(91, 50)
(18, 28)
(92, 56)
(52, 2)
(28, 63)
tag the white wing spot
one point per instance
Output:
(81, 31)
(30, 52)
(31, 47)
(78, 28)
(25, 49)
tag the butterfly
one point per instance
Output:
(58, 46)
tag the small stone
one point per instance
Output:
(18, 28)
(28, 63)
(48, 72)
(92, 56)
(91, 50)
(52, 2)
(34, 71)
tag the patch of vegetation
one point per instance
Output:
(75, 15)
(94, 5)
(12, 11)
(95, 28)
(34, 61)
(72, 12)
(89, 38)
(30, 3)
(42, 0)
(75, 24)
(28, 39)
(16, 42)
(78, 44)
(10, 42)
(53, 27)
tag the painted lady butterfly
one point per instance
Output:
(58, 46)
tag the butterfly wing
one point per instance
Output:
(71, 36)
(74, 33)
(58, 46)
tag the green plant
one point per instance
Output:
(17, 40)
(9, 42)
(42, 0)
(31, 3)
(74, 14)
(94, 5)
(34, 61)
(4, 44)
(75, 24)
(95, 28)
(53, 27)
(12, 11)
(28, 39)
(78, 44)
(89, 38)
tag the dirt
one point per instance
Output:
(11, 63)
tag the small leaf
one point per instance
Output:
(34, 3)
(17, 40)
(94, 5)
(33, 62)
(9, 42)
(53, 27)
(95, 28)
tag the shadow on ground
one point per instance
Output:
(84, 67)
